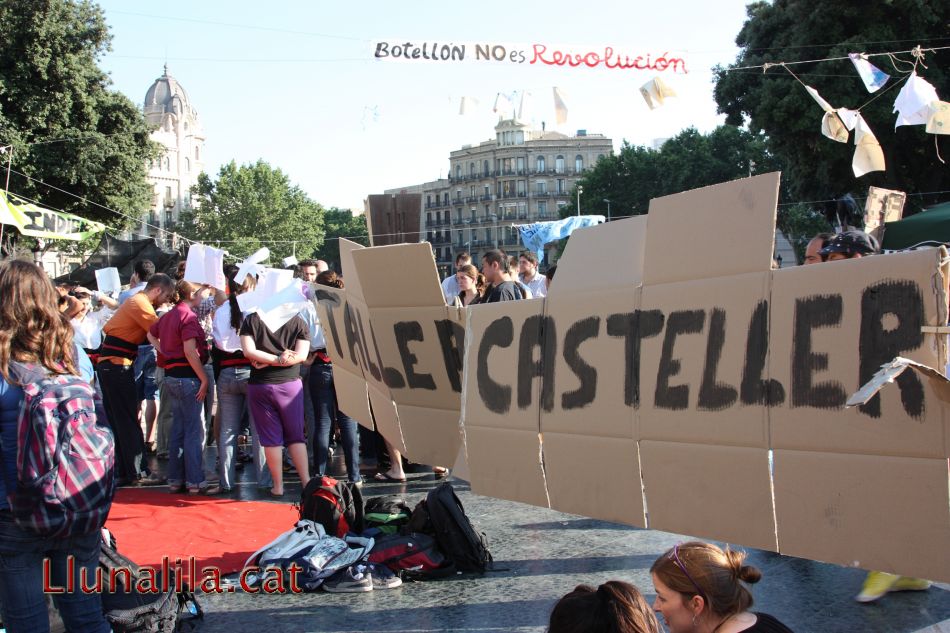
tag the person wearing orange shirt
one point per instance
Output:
(123, 334)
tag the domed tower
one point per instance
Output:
(178, 129)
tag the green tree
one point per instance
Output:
(687, 161)
(342, 223)
(775, 104)
(67, 128)
(251, 206)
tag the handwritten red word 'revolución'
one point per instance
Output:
(609, 59)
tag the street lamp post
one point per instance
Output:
(580, 190)
(608, 208)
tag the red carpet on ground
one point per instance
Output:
(217, 531)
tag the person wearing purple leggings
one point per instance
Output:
(275, 392)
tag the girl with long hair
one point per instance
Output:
(471, 284)
(34, 331)
(180, 339)
(613, 607)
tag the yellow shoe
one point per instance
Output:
(876, 585)
(906, 583)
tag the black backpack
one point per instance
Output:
(457, 538)
(135, 605)
(336, 505)
(388, 513)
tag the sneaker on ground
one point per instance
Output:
(383, 577)
(906, 583)
(353, 579)
(876, 585)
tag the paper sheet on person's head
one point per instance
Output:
(252, 266)
(107, 280)
(277, 299)
(205, 265)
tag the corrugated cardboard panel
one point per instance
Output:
(331, 306)
(603, 256)
(713, 492)
(422, 346)
(400, 275)
(597, 477)
(351, 396)
(703, 374)
(502, 439)
(594, 388)
(716, 231)
(829, 319)
(879, 513)
(387, 418)
(495, 367)
(506, 463)
(350, 278)
(432, 436)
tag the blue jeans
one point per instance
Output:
(325, 411)
(186, 440)
(232, 403)
(22, 600)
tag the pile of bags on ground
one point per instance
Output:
(341, 544)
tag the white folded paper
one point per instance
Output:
(107, 280)
(655, 92)
(913, 102)
(205, 265)
(252, 265)
(277, 298)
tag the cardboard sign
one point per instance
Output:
(671, 379)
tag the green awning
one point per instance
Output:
(36, 221)
(929, 227)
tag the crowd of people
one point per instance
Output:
(158, 351)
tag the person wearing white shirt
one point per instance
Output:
(234, 370)
(529, 275)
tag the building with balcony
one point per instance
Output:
(518, 177)
(178, 129)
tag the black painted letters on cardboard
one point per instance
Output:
(811, 313)
(679, 322)
(577, 334)
(404, 332)
(497, 398)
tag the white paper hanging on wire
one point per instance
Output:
(252, 266)
(873, 77)
(468, 105)
(107, 280)
(560, 108)
(655, 92)
(868, 155)
(278, 297)
(939, 120)
(913, 102)
(205, 265)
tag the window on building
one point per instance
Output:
(487, 191)
(506, 165)
(458, 172)
(487, 210)
(600, 157)
(559, 164)
(471, 169)
(519, 137)
(428, 201)
(168, 164)
(521, 187)
(560, 186)
(486, 169)
(542, 186)
(471, 191)
(578, 163)
(197, 154)
(168, 217)
(438, 217)
(540, 164)
(168, 197)
(520, 164)
(542, 209)
(187, 164)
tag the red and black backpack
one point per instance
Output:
(336, 505)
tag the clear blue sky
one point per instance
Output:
(296, 84)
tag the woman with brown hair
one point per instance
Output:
(702, 588)
(471, 284)
(614, 607)
(33, 331)
(180, 339)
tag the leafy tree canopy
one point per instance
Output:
(251, 206)
(774, 103)
(689, 160)
(341, 223)
(67, 128)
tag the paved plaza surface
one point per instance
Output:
(542, 554)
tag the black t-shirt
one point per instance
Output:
(274, 343)
(505, 291)
(765, 623)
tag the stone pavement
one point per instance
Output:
(540, 555)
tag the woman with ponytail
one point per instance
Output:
(471, 285)
(614, 607)
(703, 588)
(233, 372)
(180, 339)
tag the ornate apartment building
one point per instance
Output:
(519, 177)
(178, 129)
